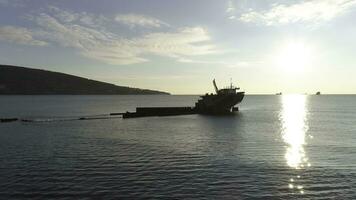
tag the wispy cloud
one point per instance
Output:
(230, 7)
(130, 51)
(314, 11)
(134, 20)
(228, 64)
(82, 18)
(12, 3)
(230, 10)
(19, 35)
(184, 41)
(93, 37)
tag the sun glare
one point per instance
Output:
(294, 56)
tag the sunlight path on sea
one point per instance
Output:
(294, 121)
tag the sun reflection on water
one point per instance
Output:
(294, 123)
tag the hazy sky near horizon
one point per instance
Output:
(292, 46)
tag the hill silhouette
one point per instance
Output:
(28, 81)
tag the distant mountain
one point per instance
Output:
(27, 81)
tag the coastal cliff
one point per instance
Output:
(16, 80)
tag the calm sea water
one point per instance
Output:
(276, 147)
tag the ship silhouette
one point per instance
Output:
(222, 102)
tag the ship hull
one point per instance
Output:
(219, 104)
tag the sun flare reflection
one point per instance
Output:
(293, 117)
(294, 128)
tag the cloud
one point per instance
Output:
(134, 20)
(4, 2)
(230, 7)
(82, 18)
(12, 3)
(92, 39)
(306, 11)
(228, 64)
(130, 51)
(184, 41)
(19, 35)
(69, 34)
(230, 10)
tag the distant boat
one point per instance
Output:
(220, 103)
(279, 93)
(318, 93)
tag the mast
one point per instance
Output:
(216, 87)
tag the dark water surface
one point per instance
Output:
(276, 147)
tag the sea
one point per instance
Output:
(275, 147)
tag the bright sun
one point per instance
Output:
(294, 56)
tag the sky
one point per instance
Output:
(264, 47)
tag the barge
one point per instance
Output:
(222, 102)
